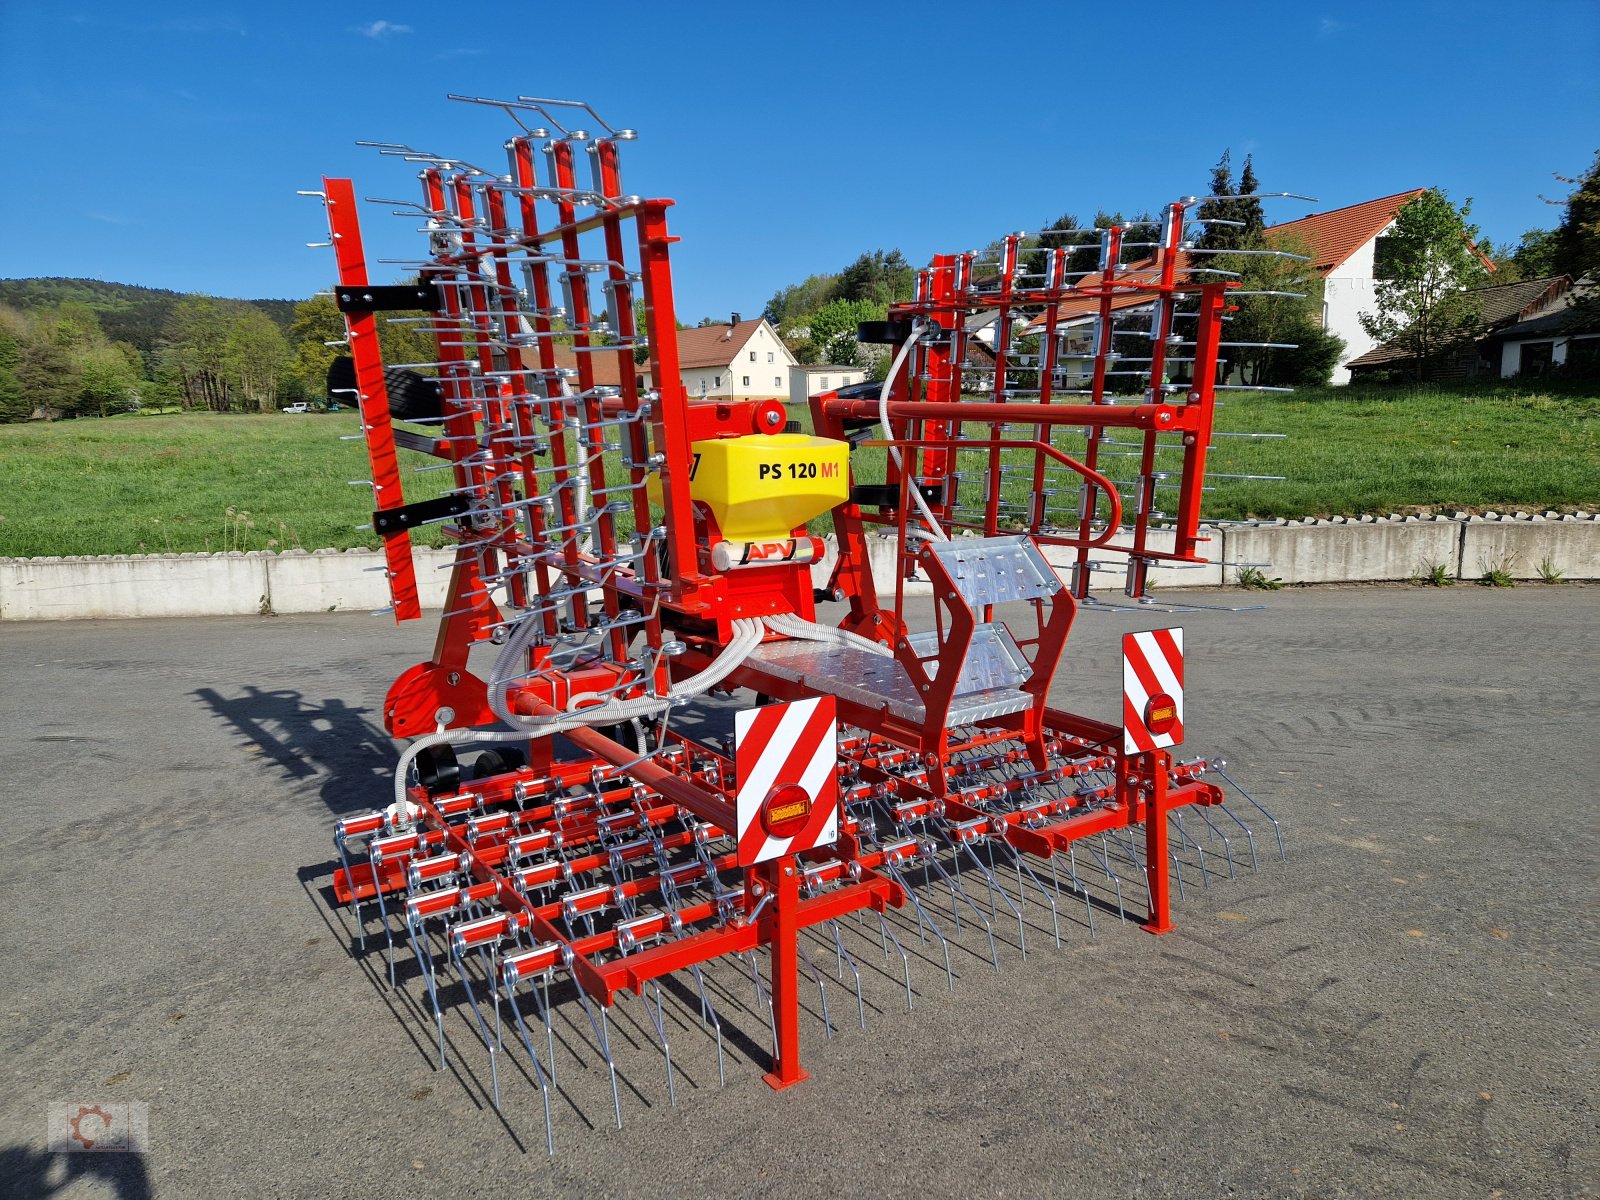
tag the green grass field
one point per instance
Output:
(151, 485)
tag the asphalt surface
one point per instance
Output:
(1404, 1008)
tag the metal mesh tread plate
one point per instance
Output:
(878, 681)
(997, 570)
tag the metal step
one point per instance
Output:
(987, 685)
(997, 570)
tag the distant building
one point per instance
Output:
(743, 360)
(1343, 245)
(805, 382)
(1521, 330)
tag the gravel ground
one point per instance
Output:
(1404, 1008)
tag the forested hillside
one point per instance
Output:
(86, 348)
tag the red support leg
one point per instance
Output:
(784, 934)
(1155, 844)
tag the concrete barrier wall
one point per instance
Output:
(1359, 552)
(1337, 551)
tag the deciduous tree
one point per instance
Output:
(1426, 269)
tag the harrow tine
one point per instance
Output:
(846, 959)
(1072, 870)
(355, 901)
(429, 979)
(1199, 850)
(822, 991)
(1105, 865)
(602, 1031)
(1138, 865)
(905, 959)
(1276, 828)
(1227, 848)
(923, 916)
(956, 889)
(1022, 866)
(490, 1043)
(994, 886)
(538, 1070)
(658, 1019)
(1250, 837)
(707, 1009)
(383, 915)
(763, 1002)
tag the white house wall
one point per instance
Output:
(805, 382)
(1347, 292)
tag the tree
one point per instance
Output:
(1535, 255)
(14, 333)
(1577, 239)
(317, 322)
(48, 378)
(1425, 268)
(790, 306)
(109, 377)
(833, 330)
(1232, 223)
(192, 348)
(253, 357)
(1035, 261)
(880, 277)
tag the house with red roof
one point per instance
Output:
(742, 360)
(1343, 248)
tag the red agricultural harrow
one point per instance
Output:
(625, 554)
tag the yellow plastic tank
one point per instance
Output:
(765, 485)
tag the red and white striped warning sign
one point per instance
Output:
(1152, 690)
(786, 762)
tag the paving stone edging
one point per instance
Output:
(1340, 550)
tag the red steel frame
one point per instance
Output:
(503, 386)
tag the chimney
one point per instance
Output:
(735, 320)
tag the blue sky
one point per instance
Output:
(162, 143)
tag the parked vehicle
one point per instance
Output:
(298, 408)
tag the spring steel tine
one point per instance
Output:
(822, 991)
(762, 1002)
(1116, 883)
(621, 135)
(483, 1028)
(1022, 866)
(1227, 848)
(1250, 837)
(845, 959)
(355, 901)
(601, 1032)
(893, 872)
(1072, 870)
(510, 985)
(657, 1018)
(1217, 767)
(374, 851)
(709, 1010)
(1139, 865)
(418, 935)
(1200, 853)
(994, 886)
(905, 959)
(954, 883)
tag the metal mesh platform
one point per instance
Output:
(997, 570)
(985, 689)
